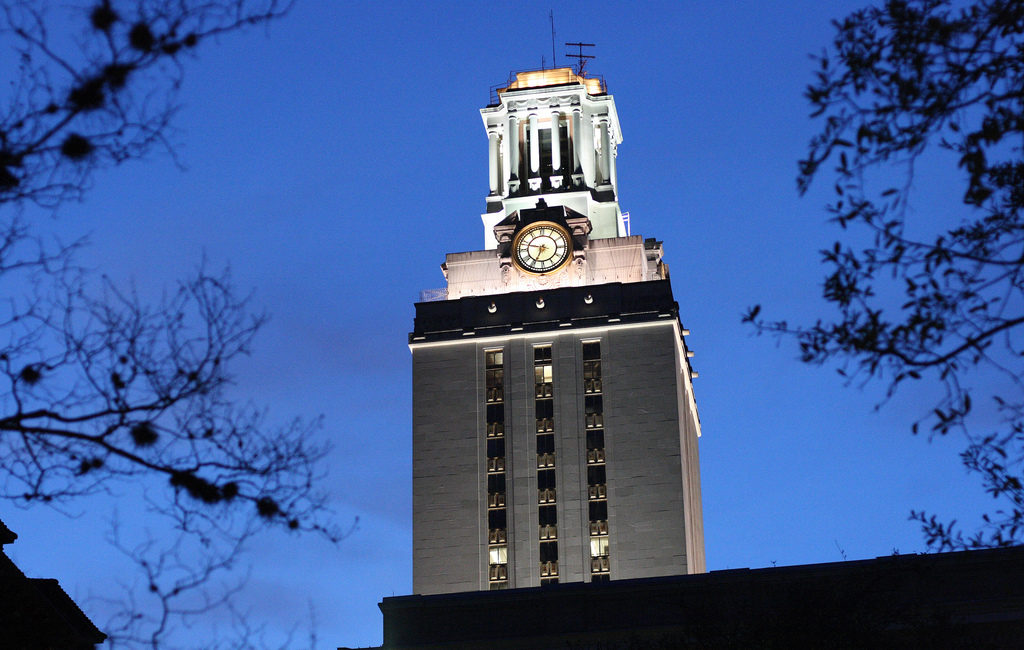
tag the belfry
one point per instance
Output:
(555, 427)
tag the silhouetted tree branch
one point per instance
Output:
(100, 392)
(102, 387)
(903, 79)
(95, 84)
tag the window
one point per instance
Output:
(546, 450)
(496, 482)
(591, 376)
(497, 518)
(549, 551)
(496, 490)
(597, 489)
(495, 358)
(546, 444)
(496, 448)
(548, 523)
(544, 412)
(498, 572)
(499, 554)
(548, 515)
(497, 513)
(496, 536)
(546, 479)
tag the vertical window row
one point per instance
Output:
(497, 514)
(597, 487)
(546, 496)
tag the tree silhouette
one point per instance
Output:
(98, 390)
(910, 78)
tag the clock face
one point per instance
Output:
(542, 247)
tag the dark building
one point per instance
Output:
(35, 613)
(969, 599)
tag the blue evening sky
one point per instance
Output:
(332, 160)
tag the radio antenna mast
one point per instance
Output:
(581, 57)
(551, 17)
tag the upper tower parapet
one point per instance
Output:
(545, 79)
(553, 134)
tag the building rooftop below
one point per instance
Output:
(967, 599)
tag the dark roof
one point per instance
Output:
(37, 613)
(7, 536)
(964, 599)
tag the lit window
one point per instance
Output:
(499, 553)
(599, 546)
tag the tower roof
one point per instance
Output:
(553, 77)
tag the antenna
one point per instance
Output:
(581, 57)
(554, 59)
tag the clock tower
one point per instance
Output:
(555, 428)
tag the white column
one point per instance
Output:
(606, 151)
(492, 158)
(512, 137)
(534, 146)
(612, 162)
(577, 138)
(556, 148)
(502, 164)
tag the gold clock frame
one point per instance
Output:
(530, 228)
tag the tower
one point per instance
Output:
(554, 422)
